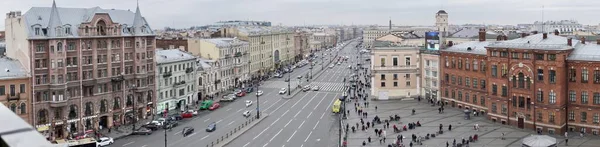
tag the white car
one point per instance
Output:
(282, 91)
(259, 92)
(248, 103)
(331, 66)
(350, 66)
(194, 112)
(105, 141)
(246, 113)
(315, 88)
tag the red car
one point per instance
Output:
(214, 106)
(187, 115)
(240, 94)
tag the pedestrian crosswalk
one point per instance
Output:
(323, 86)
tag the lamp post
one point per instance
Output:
(257, 83)
(132, 89)
(289, 75)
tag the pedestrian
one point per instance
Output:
(376, 131)
(363, 127)
(450, 127)
(367, 102)
(357, 125)
(348, 112)
(388, 124)
(353, 129)
(375, 108)
(447, 144)
(364, 143)
(369, 139)
(380, 139)
(410, 144)
(383, 138)
(439, 110)
(368, 124)
(362, 121)
(384, 135)
(109, 129)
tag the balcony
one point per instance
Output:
(118, 78)
(15, 97)
(189, 70)
(167, 74)
(179, 84)
(89, 82)
(58, 103)
(238, 54)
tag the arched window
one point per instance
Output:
(117, 103)
(23, 108)
(514, 81)
(42, 117)
(89, 109)
(101, 28)
(73, 112)
(129, 101)
(59, 47)
(13, 107)
(521, 80)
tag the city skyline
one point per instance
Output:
(334, 12)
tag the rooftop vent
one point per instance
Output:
(583, 40)
(545, 35)
(6, 69)
(469, 49)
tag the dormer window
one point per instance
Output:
(58, 31)
(68, 30)
(143, 29)
(37, 31)
(87, 29)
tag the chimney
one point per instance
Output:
(598, 41)
(450, 43)
(556, 32)
(504, 37)
(583, 40)
(481, 34)
(535, 32)
(499, 38)
(545, 36)
(570, 41)
(523, 35)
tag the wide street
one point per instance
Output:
(304, 119)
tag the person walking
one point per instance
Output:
(566, 139)
(375, 108)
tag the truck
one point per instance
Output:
(206, 104)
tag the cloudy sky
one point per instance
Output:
(186, 13)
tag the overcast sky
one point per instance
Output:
(186, 13)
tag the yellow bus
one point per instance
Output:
(336, 106)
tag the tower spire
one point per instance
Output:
(54, 20)
(390, 27)
(138, 20)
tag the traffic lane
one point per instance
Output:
(250, 137)
(321, 131)
(310, 121)
(295, 121)
(198, 123)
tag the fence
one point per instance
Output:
(231, 132)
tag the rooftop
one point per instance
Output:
(536, 41)
(172, 55)
(382, 45)
(261, 30)
(11, 68)
(223, 42)
(18, 133)
(474, 47)
(586, 52)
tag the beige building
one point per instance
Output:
(15, 88)
(395, 70)
(231, 56)
(370, 35)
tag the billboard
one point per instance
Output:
(432, 40)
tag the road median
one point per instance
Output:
(237, 132)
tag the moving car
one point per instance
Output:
(226, 100)
(306, 88)
(277, 75)
(175, 117)
(282, 91)
(187, 131)
(205, 104)
(240, 93)
(151, 126)
(214, 106)
(142, 131)
(248, 103)
(249, 89)
(246, 113)
(105, 141)
(259, 92)
(187, 115)
(171, 124)
(331, 66)
(211, 127)
(194, 112)
(315, 88)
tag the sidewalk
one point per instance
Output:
(123, 130)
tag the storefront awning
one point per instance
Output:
(43, 128)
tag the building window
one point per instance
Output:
(395, 61)
(572, 75)
(382, 76)
(552, 97)
(515, 55)
(483, 84)
(475, 65)
(494, 108)
(407, 61)
(467, 64)
(494, 70)
(453, 79)
(552, 76)
(584, 97)
(539, 56)
(460, 95)
(514, 101)
(494, 89)
(551, 57)
(521, 80)
(540, 74)
(382, 84)
(382, 62)
(467, 97)
(528, 81)
(503, 54)
(540, 117)
(446, 92)
(526, 55)
(459, 80)
(551, 116)
(407, 83)
(395, 76)
(583, 116)
(584, 75)
(596, 76)
(522, 102)
(596, 118)
(474, 99)
(540, 96)
(467, 82)
(504, 109)
(459, 63)
(22, 88)
(571, 115)
(596, 99)
(453, 94)
(395, 84)
(573, 96)
(514, 81)
(494, 53)
(453, 63)
(483, 66)
(504, 91)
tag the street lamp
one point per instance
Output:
(257, 83)
(289, 74)
(132, 89)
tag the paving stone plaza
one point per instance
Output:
(489, 133)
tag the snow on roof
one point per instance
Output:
(474, 47)
(172, 55)
(223, 42)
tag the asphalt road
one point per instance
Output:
(306, 119)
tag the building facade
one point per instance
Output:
(430, 74)
(231, 56)
(172, 43)
(395, 71)
(85, 73)
(370, 35)
(539, 81)
(301, 45)
(15, 89)
(208, 78)
(176, 78)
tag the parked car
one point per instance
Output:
(331, 66)
(105, 141)
(306, 88)
(211, 127)
(151, 126)
(187, 131)
(315, 88)
(282, 91)
(142, 131)
(249, 89)
(259, 92)
(214, 106)
(175, 117)
(246, 113)
(226, 100)
(248, 103)
(194, 112)
(240, 93)
(171, 124)
(187, 115)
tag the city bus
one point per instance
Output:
(336, 106)
(85, 142)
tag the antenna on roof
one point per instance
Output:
(543, 31)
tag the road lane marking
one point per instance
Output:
(329, 104)
(265, 101)
(239, 110)
(191, 134)
(301, 124)
(176, 133)
(322, 115)
(206, 120)
(272, 105)
(285, 112)
(310, 100)
(144, 145)
(265, 145)
(292, 136)
(219, 121)
(316, 124)
(288, 123)
(309, 114)
(308, 136)
(275, 121)
(260, 133)
(246, 144)
(299, 100)
(297, 114)
(319, 103)
(275, 135)
(128, 143)
(228, 109)
(204, 137)
(230, 123)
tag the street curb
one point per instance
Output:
(122, 136)
(238, 134)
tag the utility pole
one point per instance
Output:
(289, 74)
(257, 100)
(132, 88)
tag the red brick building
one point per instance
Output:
(542, 81)
(172, 43)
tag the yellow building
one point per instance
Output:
(231, 57)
